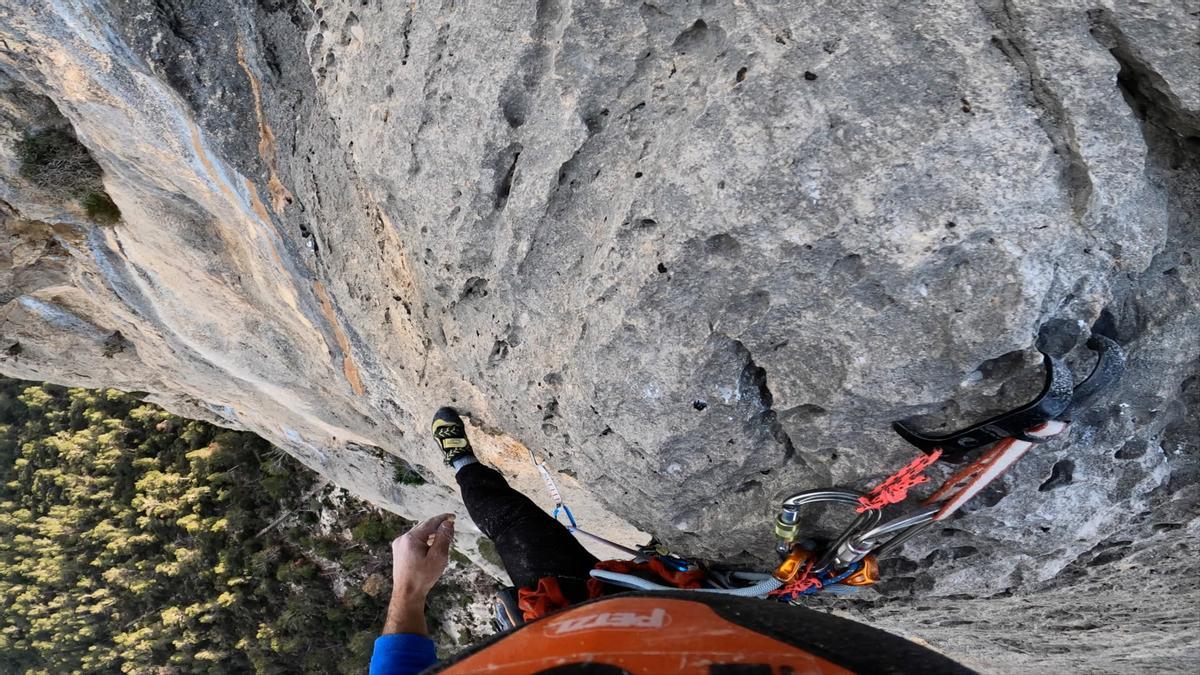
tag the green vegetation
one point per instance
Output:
(55, 161)
(405, 475)
(101, 208)
(488, 550)
(132, 541)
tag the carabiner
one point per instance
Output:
(787, 524)
(902, 529)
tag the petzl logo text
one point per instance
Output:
(652, 620)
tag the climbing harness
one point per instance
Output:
(650, 560)
(806, 566)
(849, 561)
(515, 606)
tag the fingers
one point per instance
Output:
(425, 529)
(439, 548)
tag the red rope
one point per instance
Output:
(895, 489)
(801, 583)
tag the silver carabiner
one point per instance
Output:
(903, 528)
(787, 524)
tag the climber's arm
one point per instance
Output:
(418, 560)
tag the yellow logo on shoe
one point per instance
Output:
(446, 430)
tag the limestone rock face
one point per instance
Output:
(697, 255)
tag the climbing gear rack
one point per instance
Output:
(807, 567)
(850, 560)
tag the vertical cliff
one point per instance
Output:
(698, 255)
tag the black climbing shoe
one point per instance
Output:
(451, 435)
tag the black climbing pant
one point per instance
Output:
(531, 544)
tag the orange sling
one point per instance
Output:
(548, 597)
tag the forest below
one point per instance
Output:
(135, 541)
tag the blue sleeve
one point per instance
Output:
(402, 654)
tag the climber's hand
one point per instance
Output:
(418, 559)
(419, 556)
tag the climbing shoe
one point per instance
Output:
(451, 435)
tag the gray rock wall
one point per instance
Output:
(699, 255)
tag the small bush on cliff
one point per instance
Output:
(101, 208)
(52, 159)
(406, 475)
(55, 161)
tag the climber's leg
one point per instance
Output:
(531, 543)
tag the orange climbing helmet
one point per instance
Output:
(695, 632)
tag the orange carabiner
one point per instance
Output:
(795, 562)
(867, 576)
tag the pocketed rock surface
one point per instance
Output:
(697, 256)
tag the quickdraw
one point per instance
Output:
(805, 569)
(641, 554)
